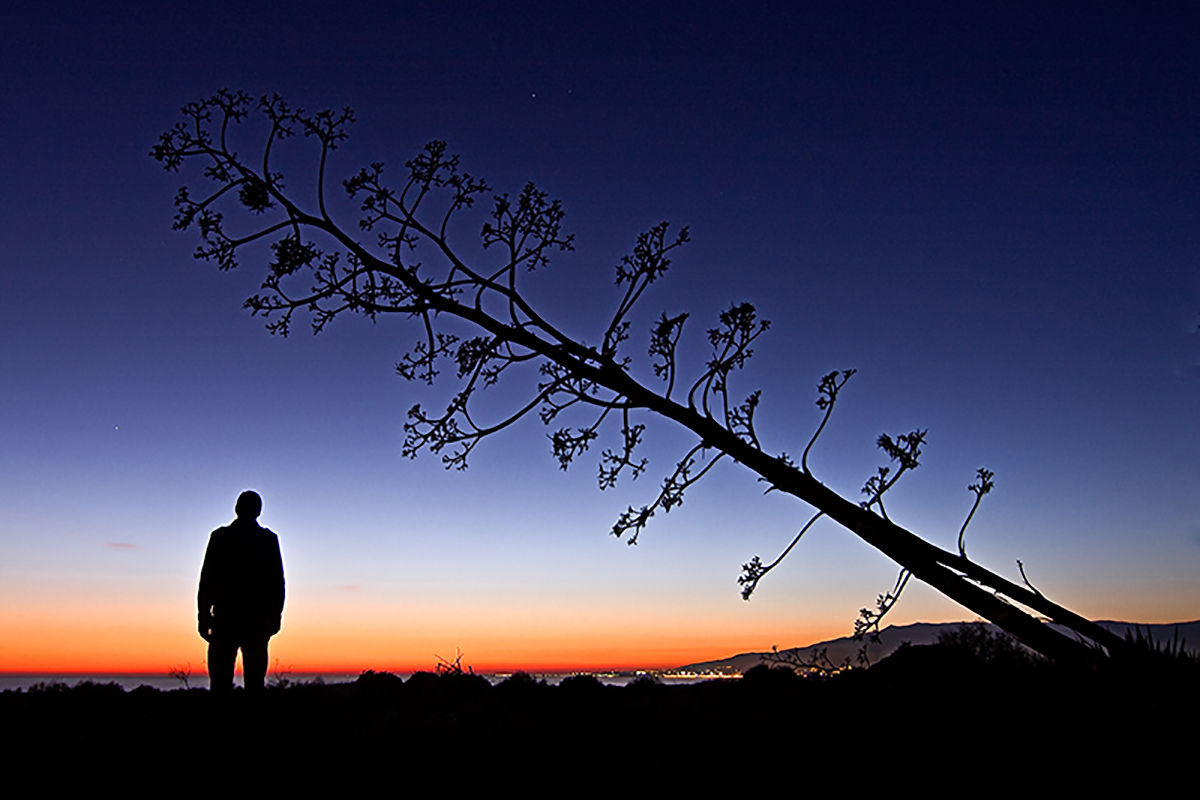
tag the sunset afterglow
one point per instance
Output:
(990, 213)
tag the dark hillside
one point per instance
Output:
(941, 704)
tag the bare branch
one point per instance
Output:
(1025, 580)
(827, 394)
(979, 489)
(905, 449)
(671, 495)
(754, 571)
(867, 624)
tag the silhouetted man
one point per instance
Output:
(241, 596)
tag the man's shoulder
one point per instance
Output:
(252, 531)
(271, 542)
(241, 534)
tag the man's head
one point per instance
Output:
(249, 506)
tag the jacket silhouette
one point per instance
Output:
(241, 596)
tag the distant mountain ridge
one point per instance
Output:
(919, 633)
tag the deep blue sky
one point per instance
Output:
(991, 214)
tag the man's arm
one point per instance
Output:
(204, 596)
(278, 585)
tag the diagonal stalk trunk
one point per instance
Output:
(955, 576)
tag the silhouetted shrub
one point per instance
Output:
(581, 686)
(1163, 652)
(644, 684)
(54, 687)
(381, 682)
(980, 643)
(1167, 664)
(766, 676)
(464, 684)
(521, 682)
(422, 681)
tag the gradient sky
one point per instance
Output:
(992, 215)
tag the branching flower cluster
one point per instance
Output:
(981, 487)
(814, 663)
(904, 449)
(867, 624)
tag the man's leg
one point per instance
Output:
(222, 653)
(254, 662)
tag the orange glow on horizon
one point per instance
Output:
(66, 648)
(135, 637)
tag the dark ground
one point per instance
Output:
(943, 713)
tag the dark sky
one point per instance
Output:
(990, 213)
